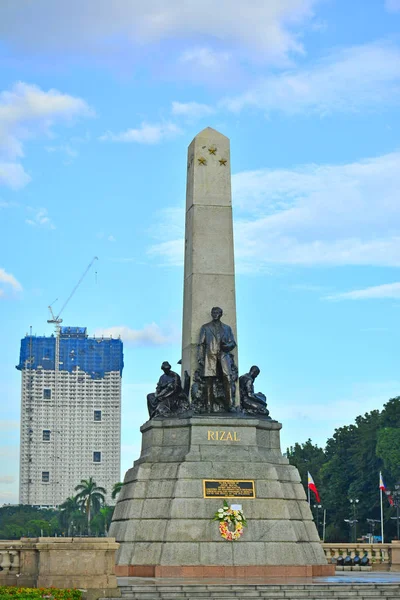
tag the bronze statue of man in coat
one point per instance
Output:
(216, 342)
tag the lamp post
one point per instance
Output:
(353, 527)
(354, 502)
(318, 507)
(396, 502)
(372, 523)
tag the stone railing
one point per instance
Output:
(382, 557)
(83, 563)
(9, 560)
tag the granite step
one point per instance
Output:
(337, 591)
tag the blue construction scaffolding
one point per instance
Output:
(94, 356)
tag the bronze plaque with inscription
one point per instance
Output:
(228, 488)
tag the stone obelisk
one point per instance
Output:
(209, 276)
(191, 462)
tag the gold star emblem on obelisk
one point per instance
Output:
(212, 150)
(222, 162)
(202, 160)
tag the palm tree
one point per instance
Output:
(70, 511)
(116, 489)
(102, 521)
(90, 496)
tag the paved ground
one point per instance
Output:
(340, 578)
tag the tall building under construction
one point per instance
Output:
(70, 414)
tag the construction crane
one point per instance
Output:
(56, 386)
(56, 320)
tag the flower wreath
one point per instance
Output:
(226, 516)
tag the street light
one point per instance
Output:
(353, 526)
(318, 507)
(396, 502)
(372, 523)
(354, 502)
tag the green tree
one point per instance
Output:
(21, 520)
(117, 487)
(349, 474)
(70, 514)
(12, 532)
(388, 450)
(91, 497)
(390, 416)
(348, 469)
(307, 457)
(102, 520)
(38, 527)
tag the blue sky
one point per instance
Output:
(98, 103)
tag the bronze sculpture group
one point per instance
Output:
(213, 386)
(169, 397)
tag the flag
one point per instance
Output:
(313, 487)
(382, 487)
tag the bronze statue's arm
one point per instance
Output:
(201, 347)
(249, 388)
(230, 343)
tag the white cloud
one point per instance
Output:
(7, 479)
(392, 5)
(309, 215)
(149, 335)
(268, 29)
(39, 218)
(205, 58)
(7, 279)
(26, 109)
(191, 110)
(146, 134)
(170, 252)
(63, 149)
(25, 112)
(347, 80)
(13, 175)
(168, 231)
(387, 290)
(111, 238)
(321, 214)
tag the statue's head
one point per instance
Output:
(254, 371)
(216, 313)
(165, 366)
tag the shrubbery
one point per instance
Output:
(15, 593)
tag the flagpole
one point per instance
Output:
(381, 515)
(309, 498)
(323, 529)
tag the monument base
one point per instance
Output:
(187, 468)
(216, 571)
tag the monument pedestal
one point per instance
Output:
(163, 521)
